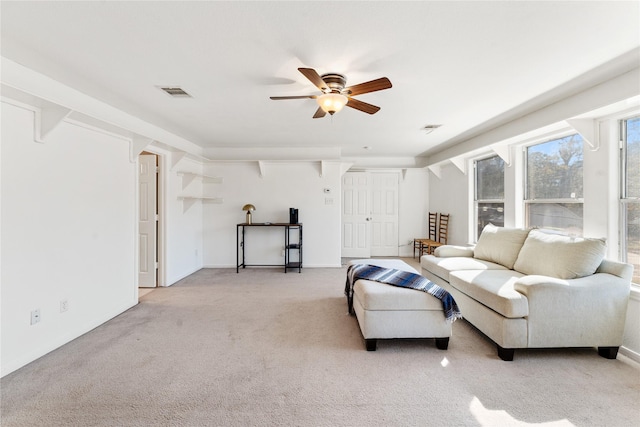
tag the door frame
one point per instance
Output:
(369, 231)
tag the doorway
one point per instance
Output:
(148, 220)
(369, 214)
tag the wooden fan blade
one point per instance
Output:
(372, 86)
(314, 78)
(277, 98)
(319, 113)
(362, 106)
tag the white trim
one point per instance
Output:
(630, 354)
(43, 89)
(589, 129)
(24, 359)
(619, 88)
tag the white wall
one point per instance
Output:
(449, 194)
(631, 338)
(68, 232)
(182, 219)
(413, 209)
(284, 185)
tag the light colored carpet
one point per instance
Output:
(263, 348)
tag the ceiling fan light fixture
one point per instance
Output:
(332, 102)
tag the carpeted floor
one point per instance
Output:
(263, 348)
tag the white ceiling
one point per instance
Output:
(467, 66)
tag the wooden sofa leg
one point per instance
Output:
(371, 344)
(506, 354)
(608, 352)
(442, 343)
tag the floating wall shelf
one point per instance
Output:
(188, 178)
(203, 199)
(207, 178)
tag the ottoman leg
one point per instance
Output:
(442, 343)
(371, 344)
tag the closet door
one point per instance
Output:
(369, 214)
(384, 213)
(147, 222)
(355, 215)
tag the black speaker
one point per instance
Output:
(293, 216)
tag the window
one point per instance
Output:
(630, 194)
(489, 195)
(553, 185)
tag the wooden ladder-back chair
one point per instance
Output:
(420, 244)
(443, 233)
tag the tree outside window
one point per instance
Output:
(554, 185)
(489, 195)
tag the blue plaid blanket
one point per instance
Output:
(403, 279)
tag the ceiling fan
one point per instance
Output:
(335, 95)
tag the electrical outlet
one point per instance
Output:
(35, 316)
(64, 305)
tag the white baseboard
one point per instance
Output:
(37, 353)
(630, 354)
(275, 266)
(175, 280)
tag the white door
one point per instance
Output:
(369, 214)
(384, 213)
(148, 231)
(355, 215)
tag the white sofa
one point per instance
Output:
(530, 289)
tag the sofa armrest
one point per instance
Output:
(619, 269)
(597, 285)
(589, 310)
(448, 251)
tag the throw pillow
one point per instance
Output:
(500, 245)
(563, 257)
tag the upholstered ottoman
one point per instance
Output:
(385, 311)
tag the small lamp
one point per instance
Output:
(249, 208)
(332, 102)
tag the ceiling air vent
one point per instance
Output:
(176, 92)
(430, 128)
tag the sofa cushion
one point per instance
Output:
(441, 267)
(500, 245)
(380, 296)
(445, 251)
(494, 289)
(563, 257)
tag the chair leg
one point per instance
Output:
(371, 344)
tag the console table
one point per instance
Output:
(290, 245)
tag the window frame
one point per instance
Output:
(527, 202)
(624, 198)
(476, 200)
